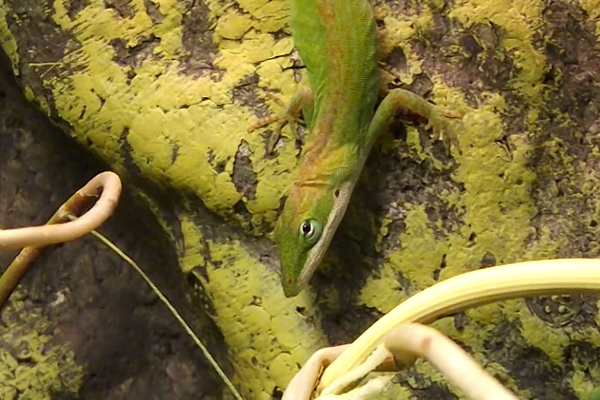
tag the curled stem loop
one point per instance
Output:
(105, 187)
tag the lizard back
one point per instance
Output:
(336, 40)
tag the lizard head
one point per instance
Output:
(304, 230)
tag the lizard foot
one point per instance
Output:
(439, 122)
(278, 121)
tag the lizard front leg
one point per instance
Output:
(438, 117)
(302, 101)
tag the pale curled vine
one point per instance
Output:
(65, 226)
(105, 187)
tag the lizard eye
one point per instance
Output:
(310, 230)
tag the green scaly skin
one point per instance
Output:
(593, 395)
(336, 40)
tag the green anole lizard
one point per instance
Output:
(337, 42)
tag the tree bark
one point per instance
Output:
(82, 323)
(164, 92)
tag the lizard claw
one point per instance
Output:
(438, 122)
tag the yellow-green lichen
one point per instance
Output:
(7, 40)
(592, 7)
(162, 112)
(399, 29)
(498, 210)
(266, 336)
(521, 20)
(32, 367)
(492, 198)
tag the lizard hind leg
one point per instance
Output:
(438, 117)
(302, 101)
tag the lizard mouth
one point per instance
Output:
(290, 289)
